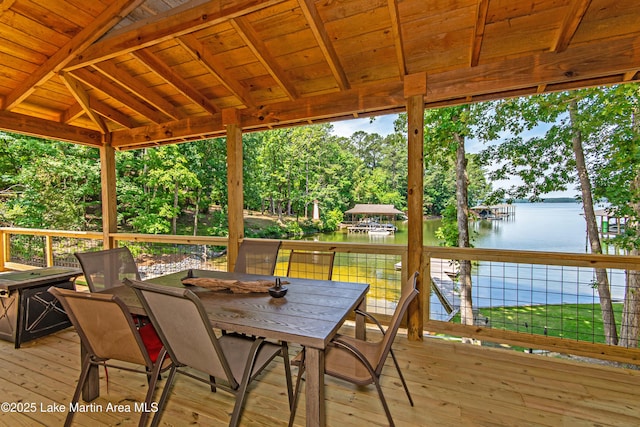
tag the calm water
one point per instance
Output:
(556, 227)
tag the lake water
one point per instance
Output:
(552, 227)
(556, 227)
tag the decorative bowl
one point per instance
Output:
(276, 292)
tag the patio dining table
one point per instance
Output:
(310, 315)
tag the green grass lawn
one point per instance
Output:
(573, 321)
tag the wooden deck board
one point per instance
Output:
(452, 384)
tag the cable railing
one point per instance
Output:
(538, 301)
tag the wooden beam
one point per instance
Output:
(259, 49)
(201, 54)
(235, 201)
(103, 23)
(113, 90)
(509, 78)
(173, 23)
(159, 67)
(397, 37)
(415, 176)
(134, 85)
(478, 34)
(81, 95)
(109, 202)
(27, 125)
(572, 19)
(72, 113)
(316, 26)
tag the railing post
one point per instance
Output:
(3, 249)
(48, 250)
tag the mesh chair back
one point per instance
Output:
(257, 257)
(183, 327)
(311, 265)
(104, 325)
(106, 269)
(408, 295)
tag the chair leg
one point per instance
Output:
(376, 381)
(241, 392)
(84, 373)
(404, 383)
(212, 383)
(163, 398)
(294, 404)
(153, 378)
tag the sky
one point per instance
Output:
(383, 125)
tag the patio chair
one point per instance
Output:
(311, 265)
(257, 257)
(360, 362)
(107, 268)
(236, 360)
(107, 333)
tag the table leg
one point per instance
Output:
(314, 361)
(91, 388)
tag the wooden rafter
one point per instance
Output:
(106, 86)
(259, 49)
(200, 53)
(570, 25)
(81, 95)
(111, 113)
(163, 27)
(129, 82)
(111, 16)
(397, 37)
(159, 67)
(478, 34)
(316, 26)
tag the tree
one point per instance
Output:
(581, 125)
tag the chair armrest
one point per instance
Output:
(357, 353)
(370, 317)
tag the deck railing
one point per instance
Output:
(534, 300)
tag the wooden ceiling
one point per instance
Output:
(135, 73)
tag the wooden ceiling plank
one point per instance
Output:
(111, 16)
(27, 125)
(129, 82)
(570, 25)
(159, 67)
(114, 91)
(259, 49)
(166, 26)
(81, 95)
(201, 54)
(478, 34)
(397, 37)
(310, 12)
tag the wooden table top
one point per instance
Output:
(310, 314)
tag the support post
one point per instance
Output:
(109, 206)
(235, 203)
(414, 91)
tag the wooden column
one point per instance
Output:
(109, 206)
(231, 120)
(414, 91)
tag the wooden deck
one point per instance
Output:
(452, 384)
